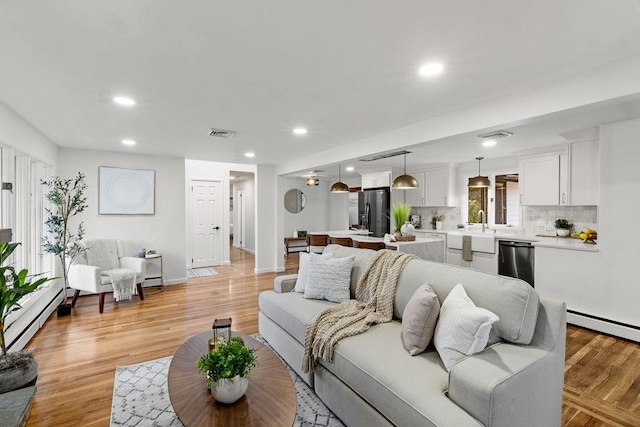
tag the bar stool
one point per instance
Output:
(376, 246)
(317, 242)
(344, 241)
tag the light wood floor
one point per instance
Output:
(77, 355)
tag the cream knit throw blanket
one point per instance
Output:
(123, 281)
(375, 293)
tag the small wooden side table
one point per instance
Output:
(288, 246)
(154, 257)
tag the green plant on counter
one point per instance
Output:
(563, 224)
(400, 213)
(227, 361)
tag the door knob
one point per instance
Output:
(217, 227)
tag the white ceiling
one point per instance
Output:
(344, 70)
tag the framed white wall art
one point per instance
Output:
(126, 191)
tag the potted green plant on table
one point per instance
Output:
(400, 215)
(227, 369)
(67, 200)
(563, 227)
(17, 368)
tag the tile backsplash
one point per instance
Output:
(537, 219)
(451, 216)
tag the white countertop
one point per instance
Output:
(536, 240)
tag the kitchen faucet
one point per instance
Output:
(483, 217)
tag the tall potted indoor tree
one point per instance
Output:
(68, 200)
(17, 368)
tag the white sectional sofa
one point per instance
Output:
(373, 381)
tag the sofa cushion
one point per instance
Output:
(303, 270)
(463, 329)
(291, 311)
(419, 319)
(408, 390)
(512, 300)
(329, 278)
(361, 259)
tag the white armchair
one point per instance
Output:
(87, 273)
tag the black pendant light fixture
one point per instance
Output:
(479, 181)
(339, 187)
(312, 181)
(405, 182)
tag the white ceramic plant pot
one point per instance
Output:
(562, 232)
(407, 229)
(228, 391)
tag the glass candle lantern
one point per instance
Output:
(221, 333)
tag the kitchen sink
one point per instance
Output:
(480, 242)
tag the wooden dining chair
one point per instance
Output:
(317, 242)
(344, 241)
(376, 246)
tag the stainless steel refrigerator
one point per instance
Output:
(373, 210)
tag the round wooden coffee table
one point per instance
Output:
(270, 399)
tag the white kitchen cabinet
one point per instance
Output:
(584, 181)
(436, 188)
(481, 261)
(417, 196)
(569, 176)
(539, 180)
(375, 180)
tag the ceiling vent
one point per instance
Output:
(385, 156)
(221, 133)
(496, 134)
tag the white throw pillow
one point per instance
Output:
(463, 329)
(303, 270)
(329, 278)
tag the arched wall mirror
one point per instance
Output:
(294, 201)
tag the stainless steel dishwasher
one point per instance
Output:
(516, 259)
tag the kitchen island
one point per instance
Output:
(428, 248)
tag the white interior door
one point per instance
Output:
(206, 223)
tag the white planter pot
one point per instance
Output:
(228, 391)
(562, 232)
(408, 229)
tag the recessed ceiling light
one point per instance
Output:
(128, 142)
(349, 169)
(489, 143)
(431, 69)
(123, 100)
(249, 154)
(300, 131)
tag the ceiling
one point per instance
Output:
(346, 71)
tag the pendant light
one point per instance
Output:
(479, 181)
(339, 187)
(312, 181)
(405, 182)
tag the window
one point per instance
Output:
(506, 200)
(477, 201)
(500, 202)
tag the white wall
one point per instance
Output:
(268, 257)
(316, 214)
(163, 231)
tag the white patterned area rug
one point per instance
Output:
(200, 272)
(140, 398)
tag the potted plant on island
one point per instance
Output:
(17, 368)
(400, 216)
(563, 227)
(67, 198)
(227, 369)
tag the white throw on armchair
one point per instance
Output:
(93, 270)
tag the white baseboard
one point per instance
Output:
(251, 251)
(599, 325)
